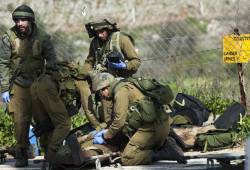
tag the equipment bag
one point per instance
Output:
(230, 117)
(214, 140)
(191, 107)
(159, 93)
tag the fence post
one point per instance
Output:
(241, 78)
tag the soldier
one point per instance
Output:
(50, 115)
(24, 50)
(144, 136)
(112, 51)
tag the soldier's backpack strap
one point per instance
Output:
(115, 43)
(12, 36)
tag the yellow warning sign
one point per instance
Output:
(236, 48)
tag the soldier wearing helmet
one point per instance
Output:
(137, 138)
(111, 51)
(24, 50)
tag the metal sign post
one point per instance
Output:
(236, 48)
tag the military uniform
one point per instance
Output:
(144, 136)
(49, 108)
(96, 60)
(99, 49)
(22, 59)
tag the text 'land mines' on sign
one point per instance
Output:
(236, 48)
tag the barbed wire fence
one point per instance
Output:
(179, 42)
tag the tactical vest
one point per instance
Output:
(139, 112)
(26, 61)
(112, 44)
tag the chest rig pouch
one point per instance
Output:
(140, 112)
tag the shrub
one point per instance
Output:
(6, 129)
(243, 129)
(78, 120)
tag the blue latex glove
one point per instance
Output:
(6, 97)
(119, 66)
(99, 137)
(99, 140)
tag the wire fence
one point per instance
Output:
(179, 41)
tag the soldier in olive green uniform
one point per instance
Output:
(49, 113)
(55, 98)
(24, 50)
(144, 136)
(111, 51)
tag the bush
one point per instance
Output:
(243, 129)
(6, 129)
(78, 120)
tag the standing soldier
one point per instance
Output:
(24, 50)
(110, 51)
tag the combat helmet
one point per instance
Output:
(92, 27)
(23, 12)
(101, 80)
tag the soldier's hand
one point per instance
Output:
(99, 140)
(119, 65)
(99, 137)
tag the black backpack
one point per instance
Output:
(230, 117)
(192, 108)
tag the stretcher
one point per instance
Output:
(93, 162)
(229, 161)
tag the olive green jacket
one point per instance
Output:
(95, 57)
(24, 56)
(123, 95)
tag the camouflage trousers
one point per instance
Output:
(48, 107)
(20, 108)
(140, 147)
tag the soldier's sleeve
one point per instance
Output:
(90, 60)
(5, 54)
(121, 103)
(92, 119)
(129, 53)
(49, 52)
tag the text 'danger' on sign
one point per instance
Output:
(236, 48)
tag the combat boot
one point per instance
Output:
(63, 156)
(21, 157)
(170, 151)
(75, 148)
